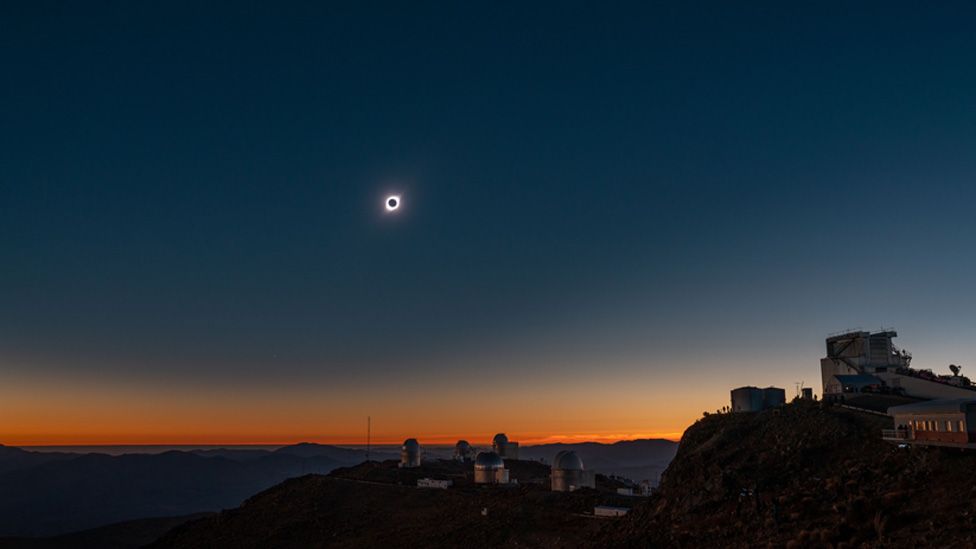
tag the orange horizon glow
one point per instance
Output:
(435, 440)
(74, 410)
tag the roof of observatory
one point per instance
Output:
(489, 460)
(567, 460)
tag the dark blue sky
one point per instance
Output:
(194, 192)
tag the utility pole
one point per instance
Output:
(369, 428)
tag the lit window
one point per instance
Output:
(948, 426)
(962, 426)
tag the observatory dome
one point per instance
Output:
(488, 461)
(567, 460)
(500, 439)
(463, 451)
(411, 444)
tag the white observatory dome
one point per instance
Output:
(411, 444)
(488, 461)
(567, 460)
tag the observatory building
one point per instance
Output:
(489, 468)
(504, 447)
(869, 362)
(410, 453)
(568, 473)
(463, 451)
(754, 399)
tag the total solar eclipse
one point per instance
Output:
(392, 203)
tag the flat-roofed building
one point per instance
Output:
(754, 399)
(434, 483)
(609, 511)
(949, 422)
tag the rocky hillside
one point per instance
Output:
(804, 476)
(800, 476)
(379, 505)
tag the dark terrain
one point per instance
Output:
(47, 494)
(122, 535)
(379, 505)
(63, 499)
(805, 475)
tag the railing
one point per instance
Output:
(895, 434)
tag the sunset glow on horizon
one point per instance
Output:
(460, 225)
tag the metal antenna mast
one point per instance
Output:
(369, 428)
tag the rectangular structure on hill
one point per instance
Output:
(949, 422)
(754, 399)
(860, 362)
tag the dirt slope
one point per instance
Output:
(805, 476)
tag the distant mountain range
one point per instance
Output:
(633, 459)
(44, 494)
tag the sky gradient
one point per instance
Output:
(610, 216)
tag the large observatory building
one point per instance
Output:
(865, 362)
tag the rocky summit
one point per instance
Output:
(803, 475)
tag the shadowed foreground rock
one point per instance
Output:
(379, 505)
(804, 476)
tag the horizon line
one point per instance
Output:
(437, 441)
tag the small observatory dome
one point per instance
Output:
(500, 445)
(489, 468)
(568, 474)
(463, 451)
(410, 453)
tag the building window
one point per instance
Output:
(962, 426)
(948, 426)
